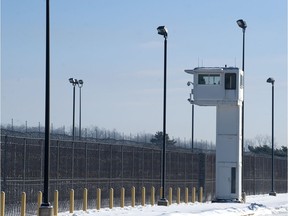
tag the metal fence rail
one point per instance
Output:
(77, 165)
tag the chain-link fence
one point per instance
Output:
(82, 164)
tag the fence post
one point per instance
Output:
(170, 195)
(71, 201)
(55, 206)
(202, 170)
(178, 195)
(201, 195)
(143, 196)
(186, 195)
(243, 197)
(152, 198)
(122, 197)
(85, 195)
(23, 204)
(98, 202)
(2, 204)
(111, 196)
(39, 201)
(193, 194)
(133, 196)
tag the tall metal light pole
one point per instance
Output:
(80, 85)
(74, 82)
(46, 209)
(272, 193)
(242, 24)
(191, 102)
(162, 30)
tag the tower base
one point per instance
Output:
(226, 201)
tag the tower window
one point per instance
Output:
(241, 81)
(230, 81)
(209, 79)
(233, 180)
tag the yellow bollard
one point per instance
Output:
(71, 201)
(186, 195)
(178, 195)
(23, 204)
(55, 205)
(98, 202)
(133, 196)
(161, 192)
(152, 198)
(2, 204)
(143, 196)
(193, 195)
(111, 197)
(170, 196)
(85, 197)
(39, 201)
(122, 197)
(201, 195)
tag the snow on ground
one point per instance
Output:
(255, 205)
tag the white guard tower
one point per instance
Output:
(223, 88)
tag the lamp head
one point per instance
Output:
(190, 100)
(80, 83)
(162, 30)
(73, 81)
(242, 24)
(189, 83)
(270, 80)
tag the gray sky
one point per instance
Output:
(114, 47)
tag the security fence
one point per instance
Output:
(82, 164)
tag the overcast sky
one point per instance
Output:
(113, 46)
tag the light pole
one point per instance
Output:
(162, 30)
(74, 82)
(46, 209)
(272, 193)
(80, 85)
(242, 24)
(192, 103)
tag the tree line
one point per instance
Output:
(265, 149)
(262, 144)
(259, 145)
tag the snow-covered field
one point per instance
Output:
(255, 205)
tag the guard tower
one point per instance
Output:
(223, 87)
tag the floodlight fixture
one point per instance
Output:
(242, 24)
(73, 81)
(162, 30)
(80, 83)
(189, 83)
(270, 80)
